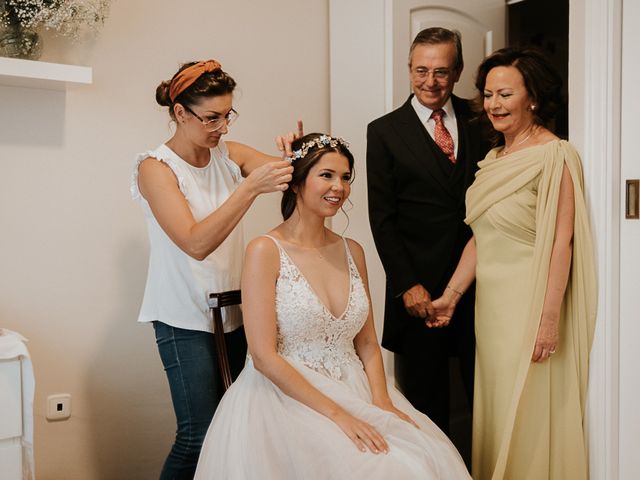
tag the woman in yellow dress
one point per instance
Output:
(531, 256)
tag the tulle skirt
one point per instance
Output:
(259, 432)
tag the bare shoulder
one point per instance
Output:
(355, 247)
(262, 246)
(154, 174)
(357, 252)
(153, 165)
(263, 250)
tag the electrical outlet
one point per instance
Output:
(58, 406)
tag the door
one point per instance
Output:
(629, 244)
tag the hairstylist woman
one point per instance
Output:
(193, 195)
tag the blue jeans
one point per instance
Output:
(189, 359)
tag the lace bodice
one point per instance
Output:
(307, 331)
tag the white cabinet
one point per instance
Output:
(17, 386)
(10, 419)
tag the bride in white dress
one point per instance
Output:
(312, 401)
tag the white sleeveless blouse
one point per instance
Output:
(178, 285)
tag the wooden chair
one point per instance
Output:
(217, 301)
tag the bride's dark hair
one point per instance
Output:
(301, 166)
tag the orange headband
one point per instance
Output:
(186, 77)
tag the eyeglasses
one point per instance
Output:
(438, 73)
(215, 123)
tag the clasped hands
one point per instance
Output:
(437, 313)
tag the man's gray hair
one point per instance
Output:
(439, 35)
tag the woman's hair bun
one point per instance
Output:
(162, 94)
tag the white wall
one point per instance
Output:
(354, 104)
(73, 252)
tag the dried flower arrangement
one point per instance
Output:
(70, 18)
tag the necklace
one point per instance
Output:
(316, 250)
(312, 250)
(506, 150)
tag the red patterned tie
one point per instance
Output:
(442, 136)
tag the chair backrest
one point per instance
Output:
(216, 302)
(225, 299)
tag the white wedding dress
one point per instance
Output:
(259, 433)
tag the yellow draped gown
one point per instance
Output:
(528, 417)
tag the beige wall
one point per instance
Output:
(73, 253)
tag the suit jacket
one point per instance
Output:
(416, 209)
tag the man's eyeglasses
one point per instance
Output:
(438, 73)
(215, 123)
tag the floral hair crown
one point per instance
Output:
(319, 142)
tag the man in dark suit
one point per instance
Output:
(421, 158)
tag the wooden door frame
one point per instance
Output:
(594, 128)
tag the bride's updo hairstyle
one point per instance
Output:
(192, 82)
(307, 151)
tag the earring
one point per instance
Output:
(532, 107)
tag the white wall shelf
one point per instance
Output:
(50, 76)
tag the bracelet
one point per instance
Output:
(455, 291)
